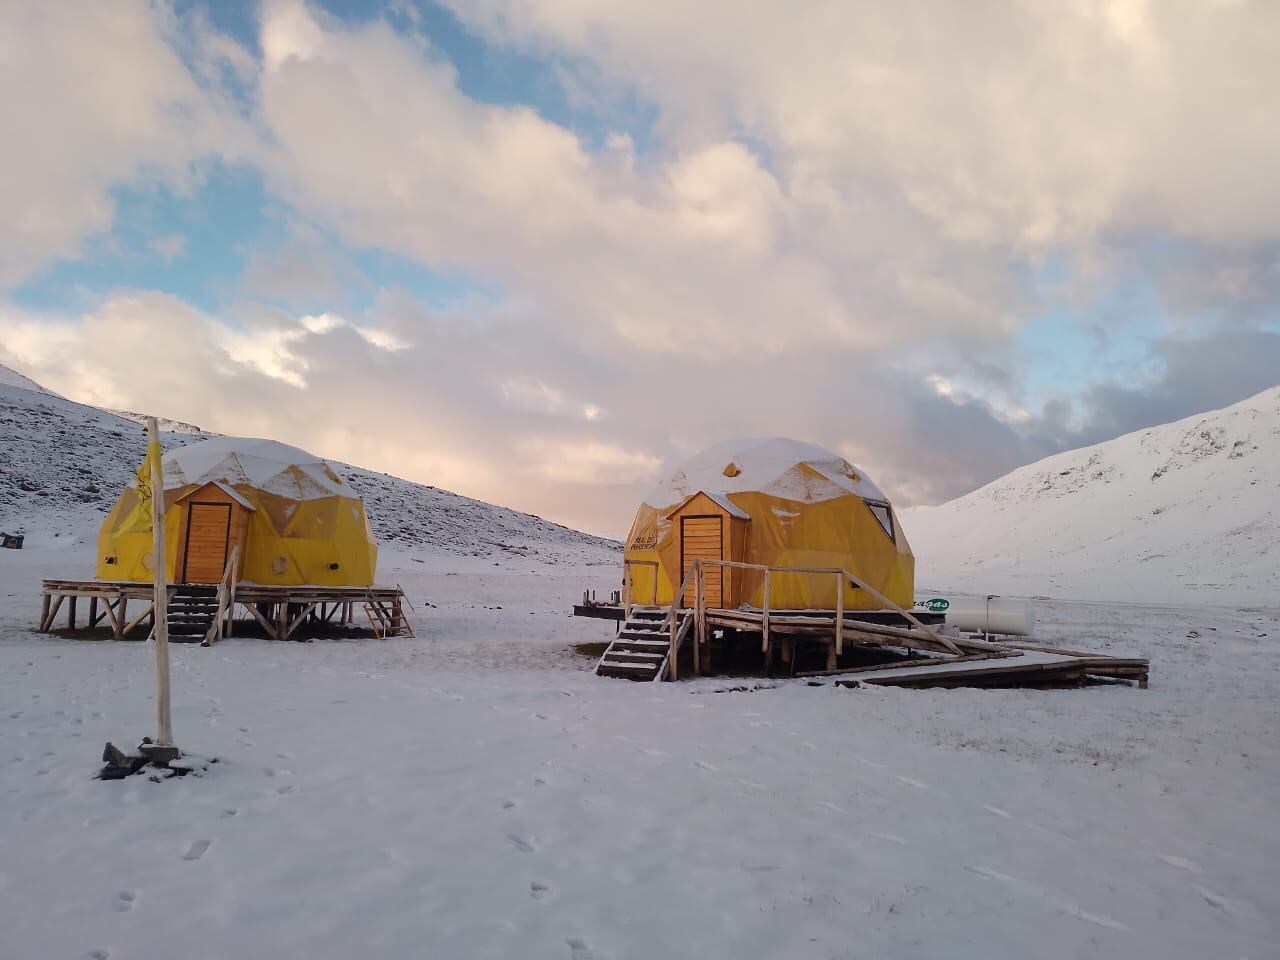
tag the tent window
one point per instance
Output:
(883, 516)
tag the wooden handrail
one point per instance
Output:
(226, 598)
(857, 583)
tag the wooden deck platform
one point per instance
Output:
(888, 646)
(282, 612)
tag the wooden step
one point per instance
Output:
(618, 668)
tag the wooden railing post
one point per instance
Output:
(673, 657)
(698, 616)
(626, 590)
(839, 614)
(766, 611)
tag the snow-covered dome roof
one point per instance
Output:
(765, 465)
(263, 464)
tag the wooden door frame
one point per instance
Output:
(683, 571)
(226, 542)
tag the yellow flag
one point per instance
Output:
(143, 477)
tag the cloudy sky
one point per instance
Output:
(532, 250)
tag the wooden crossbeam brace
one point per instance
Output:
(139, 618)
(298, 620)
(267, 625)
(52, 614)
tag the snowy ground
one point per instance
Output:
(476, 793)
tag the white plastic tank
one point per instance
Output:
(993, 614)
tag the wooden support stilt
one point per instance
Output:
(93, 612)
(71, 613)
(45, 603)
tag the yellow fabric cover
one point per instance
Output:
(799, 518)
(292, 540)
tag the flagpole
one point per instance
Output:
(160, 603)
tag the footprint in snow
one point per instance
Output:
(539, 890)
(910, 782)
(288, 788)
(508, 804)
(124, 900)
(523, 844)
(1181, 863)
(990, 874)
(1216, 900)
(578, 950)
(230, 812)
(702, 765)
(996, 810)
(1096, 919)
(197, 850)
(102, 953)
(891, 837)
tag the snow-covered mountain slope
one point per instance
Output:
(1182, 513)
(63, 464)
(12, 378)
(167, 425)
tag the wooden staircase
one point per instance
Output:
(192, 611)
(387, 619)
(642, 647)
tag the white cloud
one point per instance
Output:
(831, 240)
(590, 462)
(94, 96)
(1022, 122)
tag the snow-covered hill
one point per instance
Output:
(64, 463)
(1182, 513)
(12, 378)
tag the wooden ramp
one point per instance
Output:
(642, 647)
(1006, 668)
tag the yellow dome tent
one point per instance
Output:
(776, 503)
(294, 519)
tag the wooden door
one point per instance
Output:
(702, 538)
(208, 530)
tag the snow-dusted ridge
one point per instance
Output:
(12, 378)
(65, 463)
(1185, 512)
